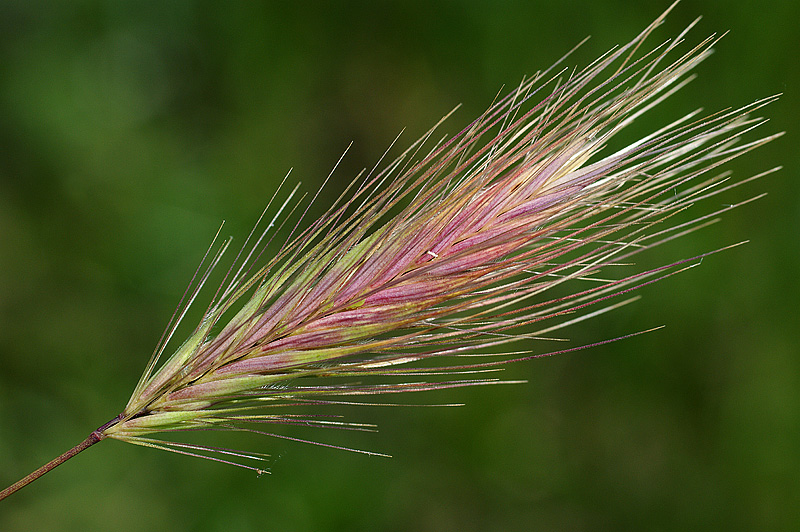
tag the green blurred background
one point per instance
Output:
(128, 130)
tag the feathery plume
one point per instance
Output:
(443, 255)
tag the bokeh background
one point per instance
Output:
(129, 130)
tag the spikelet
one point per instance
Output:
(448, 253)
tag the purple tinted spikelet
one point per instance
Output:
(448, 253)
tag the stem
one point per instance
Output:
(93, 438)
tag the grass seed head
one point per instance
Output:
(451, 252)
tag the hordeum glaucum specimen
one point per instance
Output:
(438, 267)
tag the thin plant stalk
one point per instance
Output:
(93, 438)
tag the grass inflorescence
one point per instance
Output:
(456, 258)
